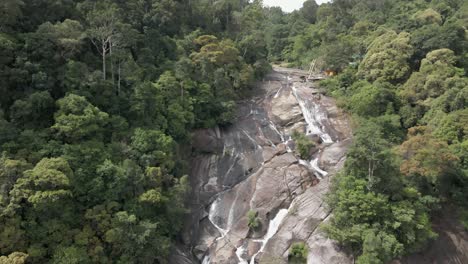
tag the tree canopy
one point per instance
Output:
(402, 74)
(98, 102)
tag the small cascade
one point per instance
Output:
(313, 117)
(305, 163)
(251, 139)
(272, 229)
(206, 260)
(314, 165)
(211, 216)
(278, 92)
(256, 141)
(273, 126)
(239, 252)
(283, 139)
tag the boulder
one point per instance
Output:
(332, 155)
(299, 127)
(323, 250)
(285, 109)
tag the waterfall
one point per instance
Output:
(313, 117)
(273, 126)
(278, 92)
(212, 214)
(283, 139)
(314, 164)
(239, 252)
(272, 229)
(206, 260)
(224, 211)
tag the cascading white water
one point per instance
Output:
(239, 252)
(278, 92)
(212, 214)
(313, 117)
(273, 126)
(283, 140)
(206, 260)
(272, 229)
(314, 164)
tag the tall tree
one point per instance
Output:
(309, 11)
(103, 20)
(387, 58)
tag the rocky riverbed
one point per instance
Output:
(251, 166)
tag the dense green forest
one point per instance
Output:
(98, 99)
(402, 74)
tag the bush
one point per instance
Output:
(254, 223)
(298, 253)
(303, 144)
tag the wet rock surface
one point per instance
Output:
(249, 166)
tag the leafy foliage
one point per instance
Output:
(303, 144)
(403, 76)
(254, 223)
(298, 253)
(99, 98)
(98, 102)
(387, 58)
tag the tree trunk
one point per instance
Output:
(104, 61)
(371, 172)
(118, 79)
(112, 65)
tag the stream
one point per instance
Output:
(251, 165)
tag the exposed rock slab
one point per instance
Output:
(250, 166)
(285, 109)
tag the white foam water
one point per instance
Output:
(212, 214)
(313, 117)
(239, 252)
(272, 229)
(314, 164)
(206, 260)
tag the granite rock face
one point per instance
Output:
(285, 109)
(250, 166)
